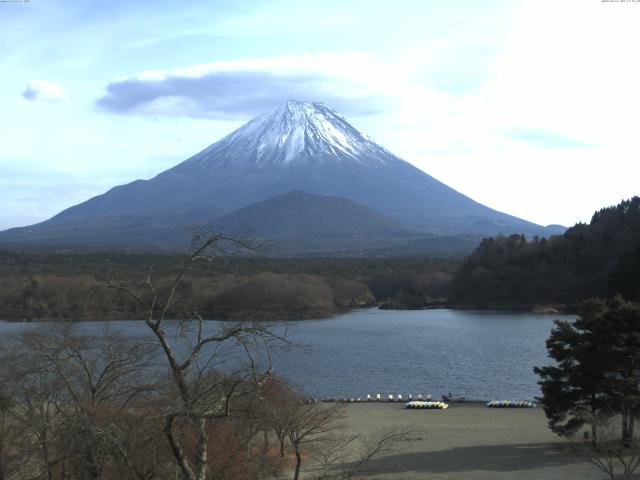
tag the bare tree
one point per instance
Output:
(309, 423)
(36, 395)
(201, 393)
(71, 392)
(278, 400)
(5, 436)
(617, 458)
(344, 457)
(133, 439)
(10, 459)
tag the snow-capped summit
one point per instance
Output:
(296, 131)
(300, 146)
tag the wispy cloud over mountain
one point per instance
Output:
(242, 88)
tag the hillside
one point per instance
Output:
(589, 260)
(299, 223)
(299, 214)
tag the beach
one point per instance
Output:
(468, 441)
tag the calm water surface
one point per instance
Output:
(479, 354)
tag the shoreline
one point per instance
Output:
(266, 317)
(472, 402)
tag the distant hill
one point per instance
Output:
(301, 214)
(300, 146)
(302, 223)
(598, 259)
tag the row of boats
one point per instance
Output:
(427, 405)
(391, 398)
(427, 401)
(492, 404)
(510, 404)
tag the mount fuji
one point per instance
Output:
(301, 147)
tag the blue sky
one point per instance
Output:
(526, 106)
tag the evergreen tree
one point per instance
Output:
(564, 269)
(625, 278)
(598, 368)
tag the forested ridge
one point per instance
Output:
(598, 259)
(75, 286)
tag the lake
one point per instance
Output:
(479, 354)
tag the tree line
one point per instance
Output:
(65, 286)
(597, 259)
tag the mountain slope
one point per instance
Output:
(299, 214)
(295, 223)
(299, 146)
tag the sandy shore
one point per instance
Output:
(469, 441)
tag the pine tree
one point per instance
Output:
(625, 278)
(598, 368)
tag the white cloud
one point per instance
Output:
(353, 82)
(569, 67)
(43, 90)
(551, 135)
